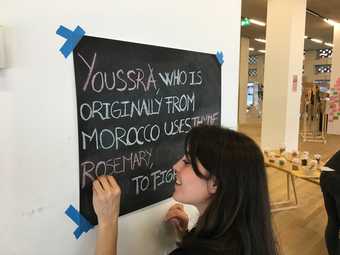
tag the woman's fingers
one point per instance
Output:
(97, 187)
(106, 199)
(182, 218)
(172, 214)
(113, 183)
(177, 206)
(105, 184)
(177, 217)
(177, 210)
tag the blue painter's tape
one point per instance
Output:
(73, 38)
(83, 225)
(219, 56)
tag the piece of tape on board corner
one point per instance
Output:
(219, 56)
(72, 38)
(83, 225)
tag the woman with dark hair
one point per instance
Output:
(222, 173)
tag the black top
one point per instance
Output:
(192, 251)
(329, 181)
(227, 245)
(334, 162)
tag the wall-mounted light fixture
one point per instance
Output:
(316, 40)
(331, 22)
(260, 40)
(257, 22)
(329, 44)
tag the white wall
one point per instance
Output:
(38, 152)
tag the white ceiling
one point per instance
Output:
(315, 26)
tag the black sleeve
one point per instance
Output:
(192, 251)
(179, 251)
(334, 162)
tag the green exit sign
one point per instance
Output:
(245, 22)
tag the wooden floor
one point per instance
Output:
(299, 231)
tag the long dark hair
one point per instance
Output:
(237, 220)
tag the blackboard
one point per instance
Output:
(135, 104)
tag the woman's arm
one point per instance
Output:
(107, 239)
(106, 203)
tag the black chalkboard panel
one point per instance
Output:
(135, 104)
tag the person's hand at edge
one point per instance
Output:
(106, 199)
(106, 203)
(178, 217)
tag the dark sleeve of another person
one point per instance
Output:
(334, 162)
(192, 251)
(329, 181)
(179, 251)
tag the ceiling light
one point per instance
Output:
(306, 36)
(331, 22)
(260, 40)
(316, 40)
(262, 51)
(257, 22)
(251, 49)
(329, 44)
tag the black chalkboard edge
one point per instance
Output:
(144, 44)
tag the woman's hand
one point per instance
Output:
(106, 203)
(106, 200)
(178, 217)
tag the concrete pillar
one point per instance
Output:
(283, 64)
(334, 123)
(243, 81)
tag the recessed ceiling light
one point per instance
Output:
(257, 22)
(306, 36)
(262, 51)
(329, 44)
(251, 49)
(316, 40)
(331, 22)
(260, 40)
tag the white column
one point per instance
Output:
(283, 62)
(334, 124)
(243, 82)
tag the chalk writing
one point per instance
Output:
(91, 170)
(120, 109)
(115, 138)
(181, 77)
(154, 180)
(119, 80)
(183, 103)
